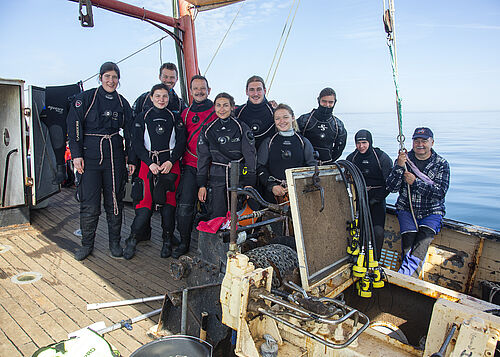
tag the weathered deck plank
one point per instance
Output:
(38, 314)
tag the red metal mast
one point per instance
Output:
(189, 43)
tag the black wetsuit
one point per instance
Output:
(259, 118)
(94, 121)
(284, 150)
(375, 166)
(219, 143)
(326, 133)
(157, 136)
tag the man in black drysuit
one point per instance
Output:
(325, 131)
(168, 76)
(97, 149)
(257, 112)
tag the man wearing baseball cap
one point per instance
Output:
(422, 178)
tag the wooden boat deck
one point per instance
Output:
(38, 314)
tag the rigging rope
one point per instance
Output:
(222, 41)
(161, 59)
(281, 38)
(283, 47)
(127, 57)
(391, 43)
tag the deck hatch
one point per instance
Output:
(321, 236)
(28, 277)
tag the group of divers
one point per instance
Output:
(179, 154)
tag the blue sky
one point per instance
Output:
(448, 51)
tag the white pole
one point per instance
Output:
(102, 305)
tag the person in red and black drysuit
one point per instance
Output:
(168, 76)
(199, 113)
(99, 155)
(158, 140)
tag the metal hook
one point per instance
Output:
(316, 186)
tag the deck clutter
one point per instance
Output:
(39, 314)
(300, 270)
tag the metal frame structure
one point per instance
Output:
(183, 26)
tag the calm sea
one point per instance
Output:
(470, 141)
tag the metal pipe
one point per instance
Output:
(253, 193)
(103, 305)
(184, 311)
(235, 173)
(254, 214)
(320, 318)
(6, 173)
(127, 323)
(314, 337)
(193, 288)
(446, 342)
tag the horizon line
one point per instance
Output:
(425, 111)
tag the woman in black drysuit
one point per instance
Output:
(99, 154)
(158, 140)
(220, 142)
(375, 165)
(284, 150)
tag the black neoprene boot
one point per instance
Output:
(60, 173)
(131, 243)
(116, 249)
(145, 235)
(166, 249)
(83, 252)
(88, 225)
(182, 249)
